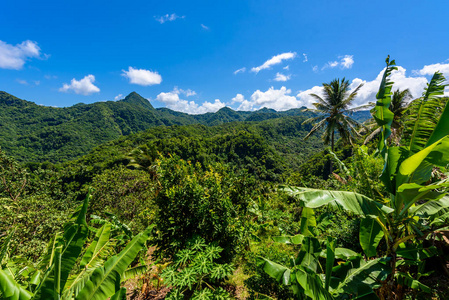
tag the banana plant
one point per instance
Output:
(414, 207)
(97, 275)
(314, 273)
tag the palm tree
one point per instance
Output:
(334, 112)
(399, 104)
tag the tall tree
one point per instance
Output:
(334, 110)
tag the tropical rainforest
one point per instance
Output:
(121, 200)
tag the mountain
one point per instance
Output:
(35, 133)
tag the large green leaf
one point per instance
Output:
(430, 208)
(74, 237)
(423, 118)
(95, 255)
(391, 158)
(308, 221)
(120, 295)
(350, 201)
(369, 274)
(312, 284)
(94, 249)
(382, 113)
(330, 258)
(442, 128)
(415, 252)
(370, 235)
(417, 168)
(407, 280)
(106, 279)
(277, 271)
(11, 290)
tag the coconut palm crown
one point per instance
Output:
(334, 110)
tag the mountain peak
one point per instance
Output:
(10, 100)
(135, 98)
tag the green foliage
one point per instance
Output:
(195, 202)
(404, 216)
(64, 274)
(34, 133)
(309, 276)
(333, 112)
(127, 194)
(196, 274)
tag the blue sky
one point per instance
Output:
(186, 54)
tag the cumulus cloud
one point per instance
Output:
(272, 98)
(305, 58)
(430, 69)
(369, 90)
(277, 59)
(14, 57)
(345, 62)
(287, 67)
(84, 86)
(167, 18)
(173, 101)
(281, 77)
(241, 70)
(142, 76)
(118, 97)
(239, 98)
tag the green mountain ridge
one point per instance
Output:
(35, 133)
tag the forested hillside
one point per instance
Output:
(263, 205)
(34, 133)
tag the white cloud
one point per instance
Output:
(14, 57)
(24, 82)
(430, 69)
(21, 81)
(49, 77)
(277, 59)
(239, 98)
(204, 27)
(281, 77)
(345, 62)
(142, 76)
(84, 86)
(331, 64)
(401, 81)
(369, 90)
(187, 92)
(315, 69)
(305, 58)
(304, 96)
(241, 70)
(287, 67)
(173, 101)
(272, 98)
(118, 97)
(168, 18)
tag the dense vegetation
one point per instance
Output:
(231, 205)
(34, 133)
